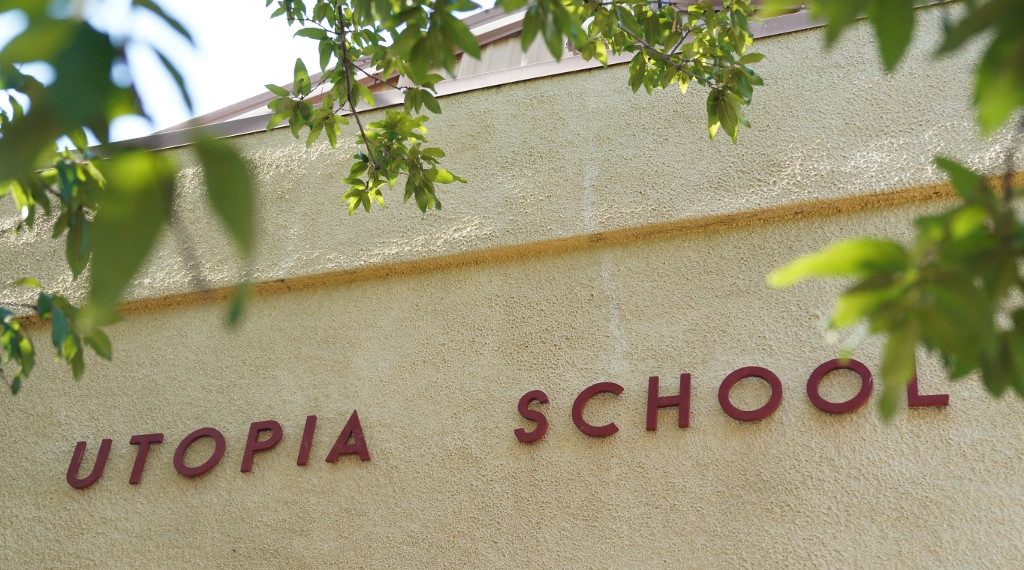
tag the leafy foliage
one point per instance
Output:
(109, 203)
(955, 291)
(406, 44)
(946, 292)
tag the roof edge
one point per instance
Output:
(176, 137)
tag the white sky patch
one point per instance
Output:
(238, 50)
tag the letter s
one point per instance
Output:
(532, 415)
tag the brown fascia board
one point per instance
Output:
(184, 135)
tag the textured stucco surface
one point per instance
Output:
(435, 364)
(435, 361)
(580, 153)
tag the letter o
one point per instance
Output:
(219, 445)
(750, 415)
(851, 405)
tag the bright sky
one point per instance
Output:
(239, 49)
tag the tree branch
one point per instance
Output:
(346, 62)
(667, 58)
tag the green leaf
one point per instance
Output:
(59, 327)
(167, 18)
(893, 21)
(28, 282)
(1015, 350)
(312, 33)
(28, 356)
(130, 215)
(858, 304)
(230, 190)
(100, 343)
(40, 42)
(751, 58)
(460, 34)
(713, 121)
(278, 90)
(276, 119)
(77, 136)
(967, 183)
(77, 247)
(601, 52)
(444, 177)
(78, 365)
(44, 304)
(76, 101)
(326, 50)
(898, 365)
(728, 114)
(553, 38)
(978, 20)
(851, 258)
(683, 85)
(430, 102)
(238, 302)
(302, 84)
(998, 83)
(531, 25)
(178, 79)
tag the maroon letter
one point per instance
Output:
(915, 399)
(352, 430)
(750, 415)
(219, 445)
(581, 402)
(253, 443)
(851, 405)
(532, 415)
(143, 441)
(307, 441)
(654, 402)
(97, 468)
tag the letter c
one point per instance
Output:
(581, 402)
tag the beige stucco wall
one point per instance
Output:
(435, 356)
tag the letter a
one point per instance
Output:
(353, 430)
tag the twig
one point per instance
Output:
(16, 305)
(379, 79)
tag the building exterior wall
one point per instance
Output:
(601, 239)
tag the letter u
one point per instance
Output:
(97, 468)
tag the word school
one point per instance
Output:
(655, 401)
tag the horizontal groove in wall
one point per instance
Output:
(675, 228)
